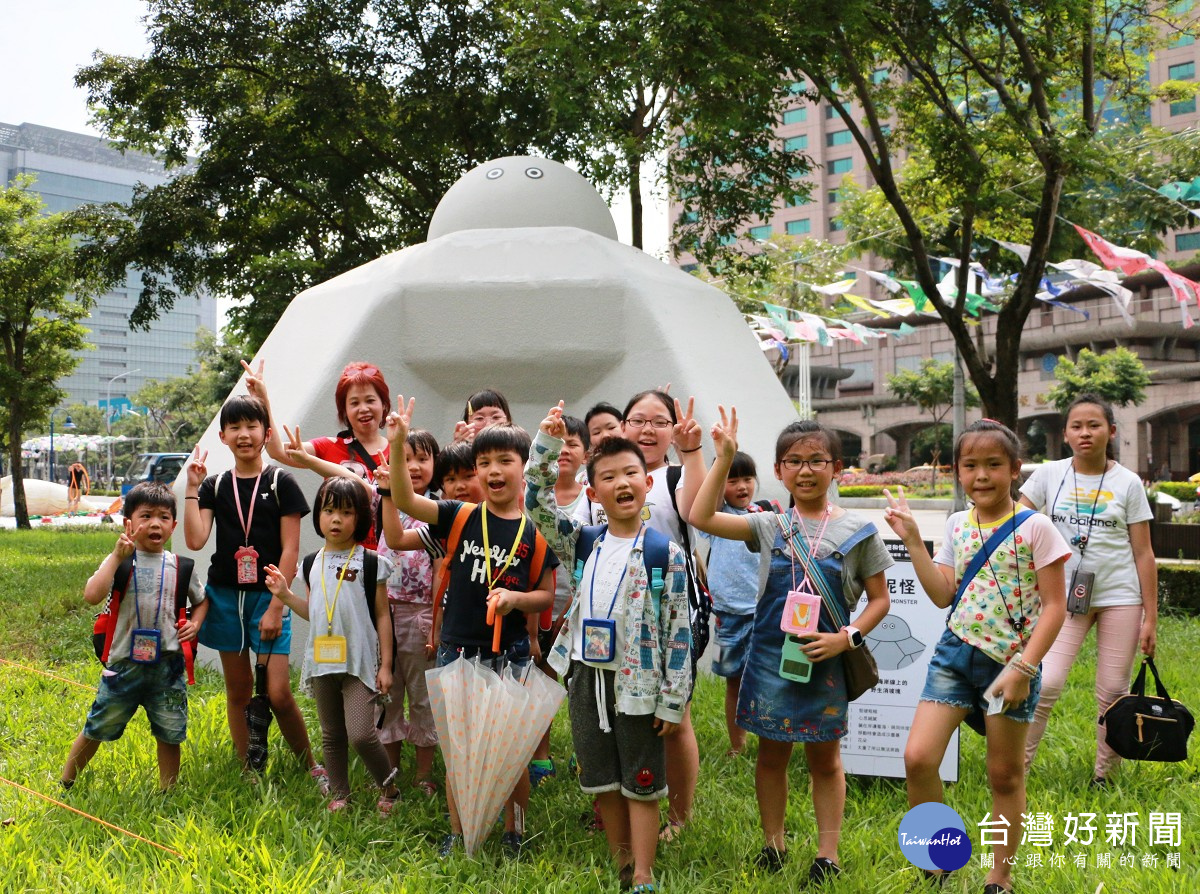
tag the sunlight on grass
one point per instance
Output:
(275, 835)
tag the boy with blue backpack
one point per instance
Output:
(624, 646)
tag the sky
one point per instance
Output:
(43, 44)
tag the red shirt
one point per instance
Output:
(337, 450)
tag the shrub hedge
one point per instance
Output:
(1180, 490)
(1179, 588)
(860, 490)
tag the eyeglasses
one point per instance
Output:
(658, 424)
(793, 464)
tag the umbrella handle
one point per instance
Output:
(497, 626)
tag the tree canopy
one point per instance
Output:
(305, 138)
(50, 275)
(1118, 376)
(976, 119)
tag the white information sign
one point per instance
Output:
(902, 645)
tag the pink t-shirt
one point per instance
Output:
(1001, 605)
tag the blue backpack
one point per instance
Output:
(656, 554)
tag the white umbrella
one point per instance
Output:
(488, 725)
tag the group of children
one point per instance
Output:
(578, 542)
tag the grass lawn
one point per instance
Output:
(276, 835)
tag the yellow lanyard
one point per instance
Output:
(330, 609)
(487, 551)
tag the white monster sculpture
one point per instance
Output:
(522, 287)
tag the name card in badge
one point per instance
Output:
(801, 611)
(599, 637)
(144, 646)
(329, 649)
(246, 560)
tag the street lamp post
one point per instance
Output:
(68, 424)
(108, 418)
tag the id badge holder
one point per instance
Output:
(144, 646)
(246, 560)
(329, 649)
(793, 663)
(599, 639)
(1079, 594)
(801, 611)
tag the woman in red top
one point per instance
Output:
(362, 402)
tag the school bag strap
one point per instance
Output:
(105, 627)
(656, 556)
(836, 602)
(452, 539)
(985, 552)
(355, 447)
(370, 576)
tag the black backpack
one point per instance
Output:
(699, 599)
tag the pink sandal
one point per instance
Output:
(426, 786)
(337, 804)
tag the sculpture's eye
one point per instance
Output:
(495, 173)
(534, 173)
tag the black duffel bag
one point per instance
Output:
(1143, 728)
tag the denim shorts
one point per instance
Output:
(232, 622)
(962, 675)
(159, 688)
(516, 655)
(733, 639)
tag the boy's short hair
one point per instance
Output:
(454, 458)
(611, 447)
(344, 493)
(423, 441)
(154, 494)
(602, 409)
(578, 428)
(488, 397)
(501, 438)
(244, 408)
(743, 466)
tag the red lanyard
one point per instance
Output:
(248, 518)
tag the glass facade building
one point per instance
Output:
(74, 169)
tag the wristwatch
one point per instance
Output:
(854, 635)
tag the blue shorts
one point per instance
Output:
(961, 675)
(733, 639)
(159, 688)
(232, 622)
(516, 655)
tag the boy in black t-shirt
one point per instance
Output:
(491, 564)
(257, 510)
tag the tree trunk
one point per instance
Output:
(20, 509)
(635, 199)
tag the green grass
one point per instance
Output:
(276, 835)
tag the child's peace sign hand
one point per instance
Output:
(464, 431)
(399, 422)
(127, 543)
(553, 424)
(254, 381)
(724, 432)
(294, 447)
(687, 434)
(383, 476)
(196, 470)
(899, 517)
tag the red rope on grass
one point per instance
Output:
(94, 819)
(34, 670)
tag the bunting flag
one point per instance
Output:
(1128, 260)
(864, 304)
(834, 288)
(784, 324)
(892, 285)
(1021, 251)
(779, 317)
(1181, 190)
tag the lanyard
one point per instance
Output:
(512, 552)
(620, 580)
(330, 609)
(162, 574)
(237, 501)
(1081, 538)
(1018, 623)
(810, 544)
